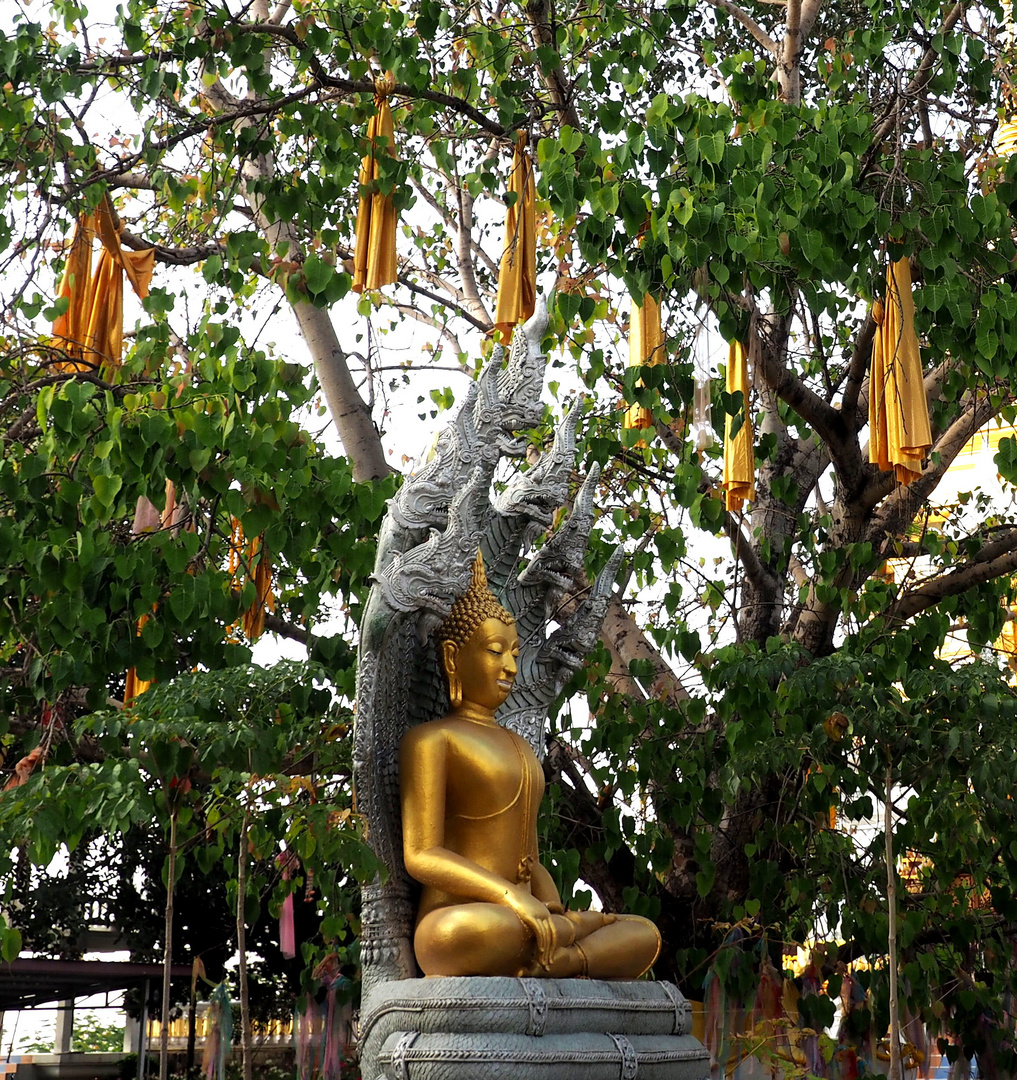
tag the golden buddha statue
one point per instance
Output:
(470, 793)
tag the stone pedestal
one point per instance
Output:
(529, 1029)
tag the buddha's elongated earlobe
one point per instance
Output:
(455, 691)
(455, 687)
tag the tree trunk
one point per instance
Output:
(353, 422)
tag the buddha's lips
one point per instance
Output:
(505, 684)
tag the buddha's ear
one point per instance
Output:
(449, 649)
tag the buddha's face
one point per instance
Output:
(486, 665)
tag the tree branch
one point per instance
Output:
(631, 644)
(899, 507)
(857, 371)
(998, 558)
(822, 416)
(788, 73)
(918, 82)
(464, 251)
(173, 256)
(197, 127)
(404, 278)
(747, 555)
(750, 24)
(429, 320)
(366, 86)
(555, 80)
(456, 224)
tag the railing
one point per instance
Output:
(269, 1033)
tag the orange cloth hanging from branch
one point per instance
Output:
(739, 451)
(91, 330)
(148, 519)
(517, 275)
(23, 769)
(259, 571)
(264, 600)
(75, 286)
(135, 686)
(374, 257)
(646, 346)
(899, 429)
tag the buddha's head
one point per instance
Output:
(478, 645)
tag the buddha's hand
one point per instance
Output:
(586, 922)
(537, 918)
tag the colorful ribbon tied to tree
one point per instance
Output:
(646, 346)
(739, 453)
(90, 332)
(517, 275)
(257, 563)
(374, 257)
(899, 430)
(148, 519)
(134, 686)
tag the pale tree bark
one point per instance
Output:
(360, 438)
(787, 53)
(628, 645)
(464, 252)
(801, 16)
(538, 16)
(749, 23)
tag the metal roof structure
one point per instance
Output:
(27, 983)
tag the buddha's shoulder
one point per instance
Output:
(449, 729)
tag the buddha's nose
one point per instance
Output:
(509, 666)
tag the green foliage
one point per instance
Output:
(226, 431)
(90, 1035)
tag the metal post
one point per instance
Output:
(143, 1035)
(64, 1026)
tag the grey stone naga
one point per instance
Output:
(477, 1027)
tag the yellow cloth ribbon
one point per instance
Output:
(91, 330)
(374, 257)
(76, 287)
(254, 616)
(259, 571)
(1006, 137)
(739, 453)
(135, 687)
(646, 346)
(148, 519)
(517, 275)
(899, 429)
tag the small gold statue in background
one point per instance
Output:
(470, 791)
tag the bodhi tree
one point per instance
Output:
(752, 167)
